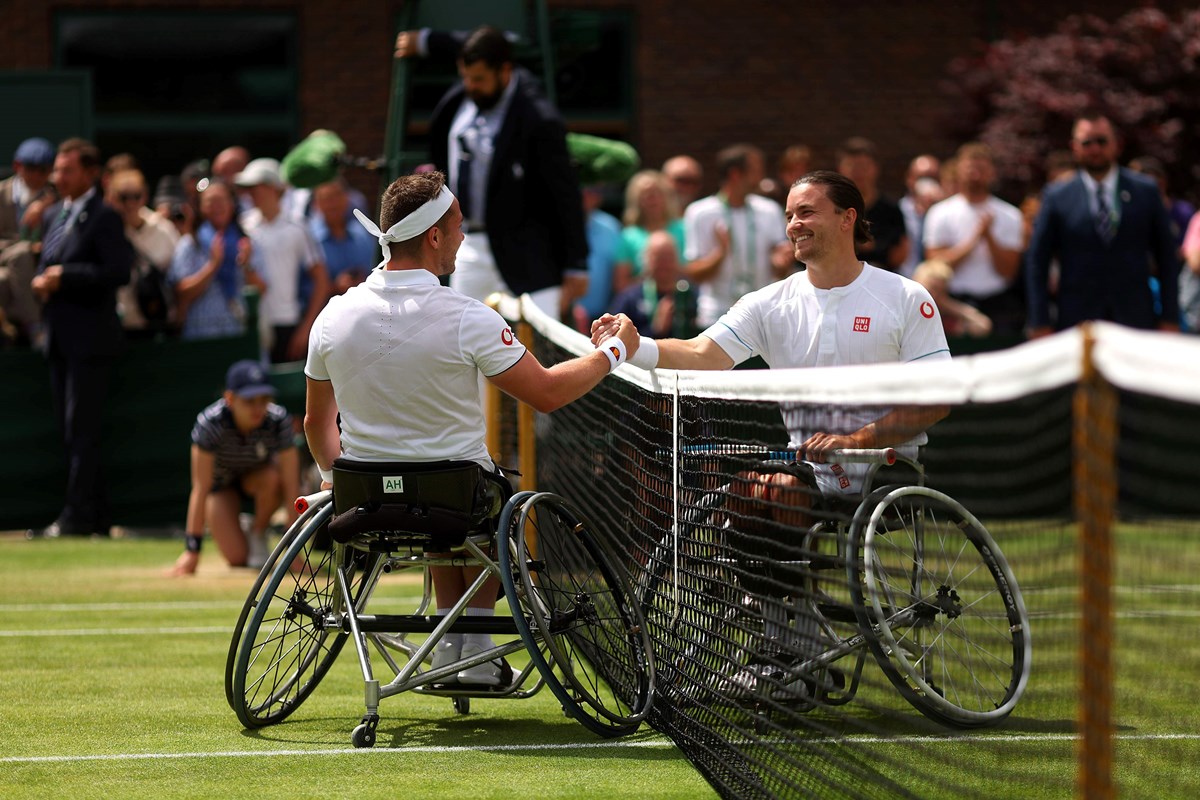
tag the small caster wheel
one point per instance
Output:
(363, 736)
(462, 705)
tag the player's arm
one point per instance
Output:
(320, 423)
(289, 479)
(202, 476)
(547, 389)
(893, 428)
(698, 353)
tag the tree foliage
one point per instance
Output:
(1020, 96)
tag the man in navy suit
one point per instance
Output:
(85, 258)
(503, 147)
(1109, 231)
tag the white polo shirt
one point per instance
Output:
(754, 229)
(281, 249)
(880, 317)
(949, 222)
(404, 354)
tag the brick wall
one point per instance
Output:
(708, 72)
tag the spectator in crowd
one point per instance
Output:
(226, 165)
(1189, 277)
(794, 161)
(118, 163)
(211, 267)
(686, 175)
(924, 170)
(348, 251)
(858, 160)
(24, 198)
(503, 146)
(1179, 210)
(243, 448)
(85, 258)
(735, 239)
(661, 304)
(144, 304)
(284, 251)
(172, 204)
(650, 206)
(958, 318)
(604, 241)
(1106, 226)
(980, 236)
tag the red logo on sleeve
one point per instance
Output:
(927, 310)
(862, 324)
(506, 336)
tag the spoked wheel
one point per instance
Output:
(691, 599)
(286, 639)
(939, 605)
(573, 609)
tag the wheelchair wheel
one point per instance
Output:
(939, 606)
(697, 612)
(574, 611)
(285, 643)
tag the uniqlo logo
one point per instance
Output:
(862, 324)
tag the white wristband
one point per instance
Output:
(614, 348)
(326, 474)
(646, 356)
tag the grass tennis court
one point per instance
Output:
(113, 687)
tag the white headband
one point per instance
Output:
(414, 224)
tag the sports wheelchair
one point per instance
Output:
(572, 609)
(908, 575)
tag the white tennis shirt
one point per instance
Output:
(404, 354)
(880, 317)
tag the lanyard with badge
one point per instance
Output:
(743, 267)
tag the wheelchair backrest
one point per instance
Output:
(435, 503)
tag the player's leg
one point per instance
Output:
(221, 511)
(265, 487)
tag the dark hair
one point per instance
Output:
(405, 195)
(486, 44)
(858, 146)
(844, 195)
(89, 154)
(735, 156)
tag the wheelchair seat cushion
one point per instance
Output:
(435, 504)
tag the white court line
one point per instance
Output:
(525, 748)
(226, 629)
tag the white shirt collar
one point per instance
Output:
(402, 277)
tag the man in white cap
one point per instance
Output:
(286, 255)
(399, 356)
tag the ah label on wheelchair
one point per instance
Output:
(572, 609)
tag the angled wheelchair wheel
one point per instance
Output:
(698, 614)
(939, 606)
(573, 609)
(286, 639)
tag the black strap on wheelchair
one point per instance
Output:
(433, 504)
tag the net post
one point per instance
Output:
(1095, 493)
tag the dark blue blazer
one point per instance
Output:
(1103, 281)
(535, 222)
(81, 317)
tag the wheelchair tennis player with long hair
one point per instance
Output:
(777, 597)
(394, 422)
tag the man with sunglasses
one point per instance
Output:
(1109, 230)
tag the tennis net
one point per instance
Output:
(944, 634)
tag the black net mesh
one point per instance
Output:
(919, 639)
